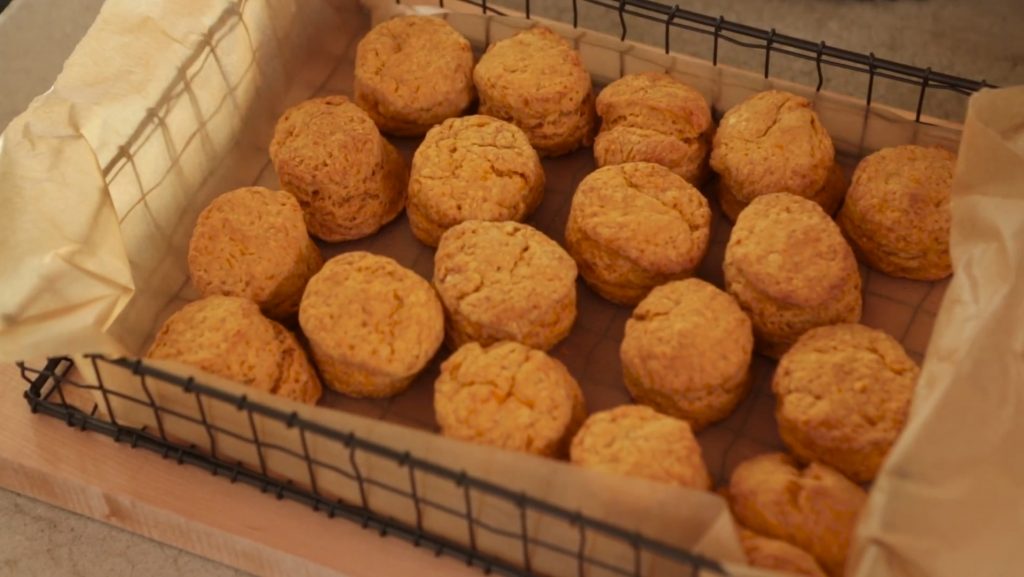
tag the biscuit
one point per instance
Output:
(472, 168)
(652, 117)
(842, 394)
(635, 226)
(510, 396)
(790, 269)
(372, 324)
(348, 179)
(897, 213)
(636, 441)
(252, 243)
(505, 281)
(686, 352)
(228, 337)
(536, 81)
(777, 555)
(413, 72)
(773, 142)
(815, 508)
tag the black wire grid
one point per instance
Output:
(52, 392)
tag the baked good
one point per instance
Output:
(815, 508)
(472, 168)
(687, 351)
(637, 441)
(773, 142)
(652, 117)
(842, 394)
(790, 269)
(505, 281)
(252, 243)
(228, 337)
(413, 72)
(510, 396)
(348, 179)
(897, 213)
(536, 81)
(372, 324)
(778, 555)
(635, 226)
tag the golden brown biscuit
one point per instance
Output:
(228, 337)
(472, 168)
(897, 214)
(349, 180)
(842, 394)
(815, 508)
(777, 555)
(635, 226)
(510, 396)
(637, 441)
(790, 269)
(652, 117)
(372, 324)
(412, 72)
(536, 81)
(252, 243)
(505, 281)
(687, 352)
(773, 142)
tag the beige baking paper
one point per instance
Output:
(109, 170)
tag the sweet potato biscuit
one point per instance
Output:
(349, 180)
(843, 393)
(372, 324)
(637, 441)
(773, 142)
(228, 337)
(897, 214)
(510, 396)
(790, 269)
(472, 168)
(815, 508)
(413, 72)
(635, 226)
(652, 117)
(687, 352)
(252, 243)
(778, 555)
(505, 281)
(536, 81)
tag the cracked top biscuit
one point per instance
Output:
(368, 311)
(897, 211)
(227, 336)
(772, 142)
(637, 441)
(787, 249)
(644, 214)
(656, 101)
(252, 242)
(413, 72)
(348, 179)
(510, 396)
(843, 395)
(472, 168)
(814, 508)
(536, 81)
(505, 281)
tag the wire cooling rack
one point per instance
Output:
(52, 391)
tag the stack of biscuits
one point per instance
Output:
(503, 294)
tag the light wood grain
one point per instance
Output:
(187, 507)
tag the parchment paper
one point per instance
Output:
(166, 105)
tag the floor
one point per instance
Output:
(977, 39)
